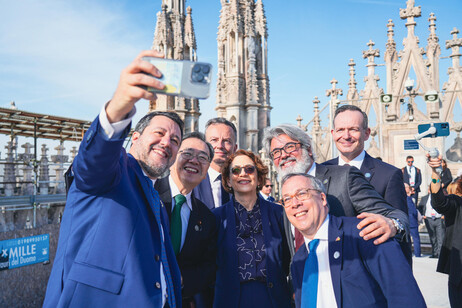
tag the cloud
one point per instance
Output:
(63, 56)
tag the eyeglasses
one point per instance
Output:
(301, 195)
(288, 148)
(189, 155)
(248, 169)
(271, 185)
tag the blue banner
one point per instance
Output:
(24, 251)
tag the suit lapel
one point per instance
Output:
(335, 255)
(163, 187)
(368, 167)
(322, 175)
(203, 192)
(194, 227)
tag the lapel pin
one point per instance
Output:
(336, 255)
(198, 227)
(337, 239)
(367, 175)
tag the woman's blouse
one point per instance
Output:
(251, 250)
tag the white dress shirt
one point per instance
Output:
(429, 210)
(185, 209)
(326, 295)
(357, 161)
(411, 171)
(216, 186)
(114, 131)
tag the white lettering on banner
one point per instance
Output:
(29, 259)
(22, 251)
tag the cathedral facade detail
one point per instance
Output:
(243, 84)
(175, 38)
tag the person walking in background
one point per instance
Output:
(434, 223)
(413, 221)
(253, 257)
(412, 176)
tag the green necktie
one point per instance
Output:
(175, 223)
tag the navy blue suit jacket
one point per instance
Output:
(386, 179)
(418, 178)
(109, 245)
(363, 274)
(227, 287)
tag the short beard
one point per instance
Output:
(155, 171)
(301, 166)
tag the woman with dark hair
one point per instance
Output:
(253, 256)
(450, 260)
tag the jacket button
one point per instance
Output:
(158, 285)
(270, 285)
(157, 258)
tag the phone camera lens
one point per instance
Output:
(197, 68)
(205, 69)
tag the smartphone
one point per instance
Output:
(442, 129)
(183, 78)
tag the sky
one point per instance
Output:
(64, 57)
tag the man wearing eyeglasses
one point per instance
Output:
(412, 176)
(193, 227)
(266, 190)
(335, 267)
(348, 191)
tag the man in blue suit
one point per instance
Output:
(350, 132)
(351, 271)
(114, 249)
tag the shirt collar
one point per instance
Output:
(312, 170)
(213, 174)
(153, 181)
(263, 195)
(175, 191)
(321, 234)
(357, 161)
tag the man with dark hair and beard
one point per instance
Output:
(348, 192)
(114, 247)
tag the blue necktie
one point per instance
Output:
(310, 277)
(163, 257)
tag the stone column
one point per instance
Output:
(44, 178)
(60, 159)
(27, 187)
(9, 176)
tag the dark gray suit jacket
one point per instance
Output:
(203, 192)
(349, 194)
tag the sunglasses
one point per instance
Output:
(248, 169)
(269, 185)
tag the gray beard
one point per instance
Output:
(301, 166)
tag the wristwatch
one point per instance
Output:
(399, 228)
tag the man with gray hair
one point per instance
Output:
(347, 190)
(335, 267)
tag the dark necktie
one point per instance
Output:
(224, 193)
(175, 224)
(310, 277)
(164, 259)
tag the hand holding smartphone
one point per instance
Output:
(182, 78)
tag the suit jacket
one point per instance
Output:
(450, 261)
(203, 192)
(349, 194)
(109, 245)
(418, 178)
(386, 179)
(227, 287)
(198, 254)
(363, 274)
